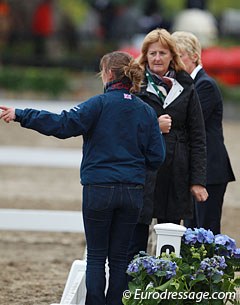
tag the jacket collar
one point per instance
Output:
(195, 71)
(182, 82)
(174, 92)
(117, 85)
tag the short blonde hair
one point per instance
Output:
(165, 38)
(188, 42)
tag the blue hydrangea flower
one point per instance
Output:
(205, 236)
(226, 241)
(198, 235)
(236, 253)
(133, 267)
(151, 265)
(189, 237)
(212, 266)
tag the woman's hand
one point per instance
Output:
(199, 192)
(165, 123)
(7, 114)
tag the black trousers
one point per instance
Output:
(208, 214)
(139, 240)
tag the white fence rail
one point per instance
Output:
(41, 220)
(35, 156)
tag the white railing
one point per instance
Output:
(41, 220)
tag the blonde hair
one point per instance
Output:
(123, 65)
(165, 38)
(188, 42)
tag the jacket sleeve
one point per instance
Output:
(197, 141)
(156, 151)
(77, 121)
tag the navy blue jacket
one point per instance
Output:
(120, 132)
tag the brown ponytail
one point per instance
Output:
(123, 65)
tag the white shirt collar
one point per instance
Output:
(195, 71)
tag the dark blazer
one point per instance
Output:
(185, 162)
(219, 169)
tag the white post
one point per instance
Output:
(169, 237)
(75, 289)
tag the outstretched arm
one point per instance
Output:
(75, 122)
(7, 114)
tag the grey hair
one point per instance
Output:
(188, 42)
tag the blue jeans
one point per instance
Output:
(110, 213)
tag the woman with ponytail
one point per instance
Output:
(121, 139)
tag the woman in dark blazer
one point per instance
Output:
(219, 170)
(171, 92)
